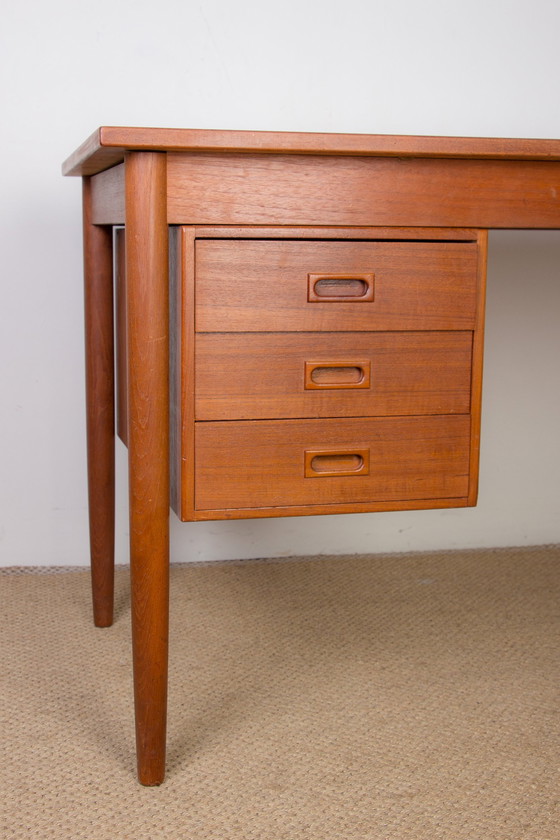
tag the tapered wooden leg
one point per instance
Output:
(148, 445)
(100, 405)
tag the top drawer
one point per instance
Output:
(288, 286)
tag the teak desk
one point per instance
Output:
(324, 352)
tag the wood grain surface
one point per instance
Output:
(148, 425)
(100, 408)
(107, 145)
(248, 285)
(121, 366)
(388, 234)
(251, 376)
(478, 367)
(247, 189)
(261, 463)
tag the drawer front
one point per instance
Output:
(319, 462)
(291, 286)
(259, 376)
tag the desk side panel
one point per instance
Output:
(121, 340)
(477, 368)
(182, 371)
(108, 196)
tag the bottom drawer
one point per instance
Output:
(276, 463)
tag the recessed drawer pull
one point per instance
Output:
(322, 463)
(330, 375)
(339, 288)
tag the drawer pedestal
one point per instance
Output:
(289, 346)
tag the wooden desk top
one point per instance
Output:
(106, 146)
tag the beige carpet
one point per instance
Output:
(402, 696)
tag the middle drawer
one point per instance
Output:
(266, 376)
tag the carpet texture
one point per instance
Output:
(392, 697)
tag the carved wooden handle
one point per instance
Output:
(340, 288)
(324, 463)
(336, 374)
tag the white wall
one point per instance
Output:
(431, 67)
